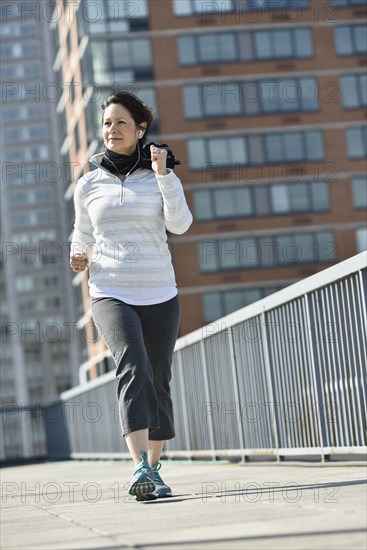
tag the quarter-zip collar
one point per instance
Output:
(96, 160)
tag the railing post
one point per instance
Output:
(235, 388)
(317, 389)
(207, 395)
(184, 401)
(269, 381)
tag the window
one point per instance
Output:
(240, 150)
(249, 98)
(193, 7)
(255, 252)
(22, 219)
(347, 3)
(351, 39)
(245, 46)
(361, 238)
(354, 90)
(105, 16)
(118, 59)
(260, 200)
(357, 142)
(359, 188)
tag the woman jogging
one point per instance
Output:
(122, 212)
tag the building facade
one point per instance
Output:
(39, 352)
(263, 101)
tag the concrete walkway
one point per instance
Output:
(83, 504)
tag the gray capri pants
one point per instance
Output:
(141, 340)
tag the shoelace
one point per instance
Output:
(157, 477)
(143, 464)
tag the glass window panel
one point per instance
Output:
(142, 53)
(233, 301)
(286, 250)
(252, 295)
(251, 94)
(349, 91)
(118, 26)
(267, 250)
(223, 200)
(208, 253)
(182, 7)
(289, 94)
(237, 150)
(293, 146)
(320, 195)
(202, 205)
(356, 148)
(148, 96)
(245, 46)
(262, 200)
(256, 149)
(207, 47)
(212, 306)
(360, 38)
(192, 101)
(263, 46)
(243, 201)
(231, 96)
(186, 50)
(303, 40)
(361, 237)
(279, 242)
(280, 198)
(140, 9)
(299, 197)
(359, 186)
(197, 154)
(363, 89)
(229, 253)
(226, 46)
(314, 145)
(250, 253)
(274, 149)
(218, 150)
(304, 247)
(343, 39)
(121, 56)
(325, 246)
(212, 103)
(282, 43)
(308, 94)
(269, 92)
(100, 58)
(198, 6)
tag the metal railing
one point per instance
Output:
(284, 376)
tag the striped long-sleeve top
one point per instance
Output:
(122, 225)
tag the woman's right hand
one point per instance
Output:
(79, 262)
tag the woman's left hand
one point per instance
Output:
(159, 159)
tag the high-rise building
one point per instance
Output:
(263, 101)
(39, 353)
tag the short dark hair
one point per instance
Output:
(140, 111)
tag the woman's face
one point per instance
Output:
(120, 133)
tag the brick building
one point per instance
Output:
(263, 101)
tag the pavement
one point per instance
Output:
(216, 506)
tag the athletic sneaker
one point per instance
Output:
(162, 490)
(142, 484)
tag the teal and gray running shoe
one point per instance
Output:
(161, 489)
(142, 484)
